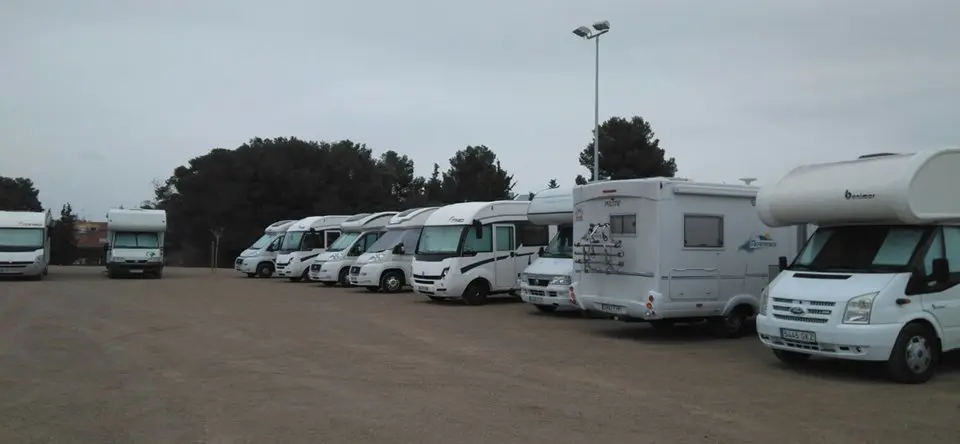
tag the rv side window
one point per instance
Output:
(505, 238)
(703, 231)
(331, 236)
(623, 224)
(532, 235)
(482, 245)
(951, 237)
(311, 240)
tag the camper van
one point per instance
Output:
(473, 250)
(878, 279)
(667, 250)
(258, 259)
(304, 241)
(135, 242)
(546, 282)
(24, 243)
(359, 233)
(387, 263)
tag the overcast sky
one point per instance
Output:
(99, 97)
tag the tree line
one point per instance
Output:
(242, 190)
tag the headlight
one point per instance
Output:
(443, 273)
(117, 259)
(763, 300)
(560, 280)
(336, 256)
(377, 257)
(859, 309)
(38, 260)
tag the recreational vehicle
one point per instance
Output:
(135, 242)
(359, 233)
(24, 243)
(473, 250)
(546, 282)
(666, 250)
(258, 259)
(387, 263)
(878, 279)
(304, 241)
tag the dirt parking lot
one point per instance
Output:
(197, 357)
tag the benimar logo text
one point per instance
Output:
(758, 241)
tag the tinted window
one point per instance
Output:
(505, 238)
(482, 245)
(532, 235)
(703, 231)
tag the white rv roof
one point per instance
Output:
(317, 223)
(552, 207)
(374, 221)
(24, 219)
(911, 188)
(137, 220)
(412, 218)
(279, 226)
(657, 188)
(465, 213)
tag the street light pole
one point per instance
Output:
(599, 28)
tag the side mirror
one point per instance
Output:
(941, 271)
(540, 252)
(399, 249)
(782, 263)
(478, 229)
(106, 247)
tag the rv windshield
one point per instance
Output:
(388, 240)
(861, 248)
(561, 246)
(21, 239)
(125, 239)
(440, 240)
(291, 242)
(343, 241)
(263, 241)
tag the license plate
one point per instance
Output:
(422, 288)
(136, 271)
(798, 335)
(535, 299)
(614, 309)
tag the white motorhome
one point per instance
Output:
(304, 241)
(473, 250)
(135, 242)
(359, 233)
(878, 280)
(666, 250)
(387, 264)
(258, 260)
(546, 282)
(24, 243)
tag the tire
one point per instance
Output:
(250, 275)
(264, 270)
(791, 358)
(296, 279)
(372, 289)
(392, 281)
(343, 278)
(476, 293)
(733, 325)
(546, 308)
(915, 355)
(329, 284)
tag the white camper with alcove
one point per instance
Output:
(359, 233)
(878, 280)
(667, 250)
(473, 250)
(24, 243)
(303, 242)
(258, 260)
(387, 264)
(545, 283)
(135, 242)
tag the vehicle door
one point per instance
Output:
(504, 250)
(364, 242)
(943, 300)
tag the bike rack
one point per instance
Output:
(597, 251)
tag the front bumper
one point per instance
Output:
(292, 269)
(13, 269)
(551, 295)
(244, 265)
(433, 286)
(622, 308)
(134, 267)
(367, 275)
(844, 341)
(327, 271)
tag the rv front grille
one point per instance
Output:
(239, 261)
(316, 267)
(354, 270)
(539, 282)
(800, 310)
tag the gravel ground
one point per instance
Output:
(198, 357)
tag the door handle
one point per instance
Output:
(936, 306)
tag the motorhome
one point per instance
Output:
(359, 233)
(668, 250)
(877, 281)
(546, 282)
(387, 263)
(135, 242)
(24, 243)
(305, 240)
(473, 250)
(258, 260)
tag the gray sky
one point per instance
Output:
(99, 97)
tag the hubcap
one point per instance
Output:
(393, 283)
(733, 322)
(919, 354)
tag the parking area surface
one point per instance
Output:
(198, 357)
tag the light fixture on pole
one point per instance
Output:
(599, 28)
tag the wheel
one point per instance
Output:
(372, 289)
(250, 275)
(476, 293)
(392, 281)
(296, 278)
(915, 355)
(329, 284)
(790, 358)
(662, 324)
(344, 277)
(733, 325)
(265, 270)
(546, 308)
